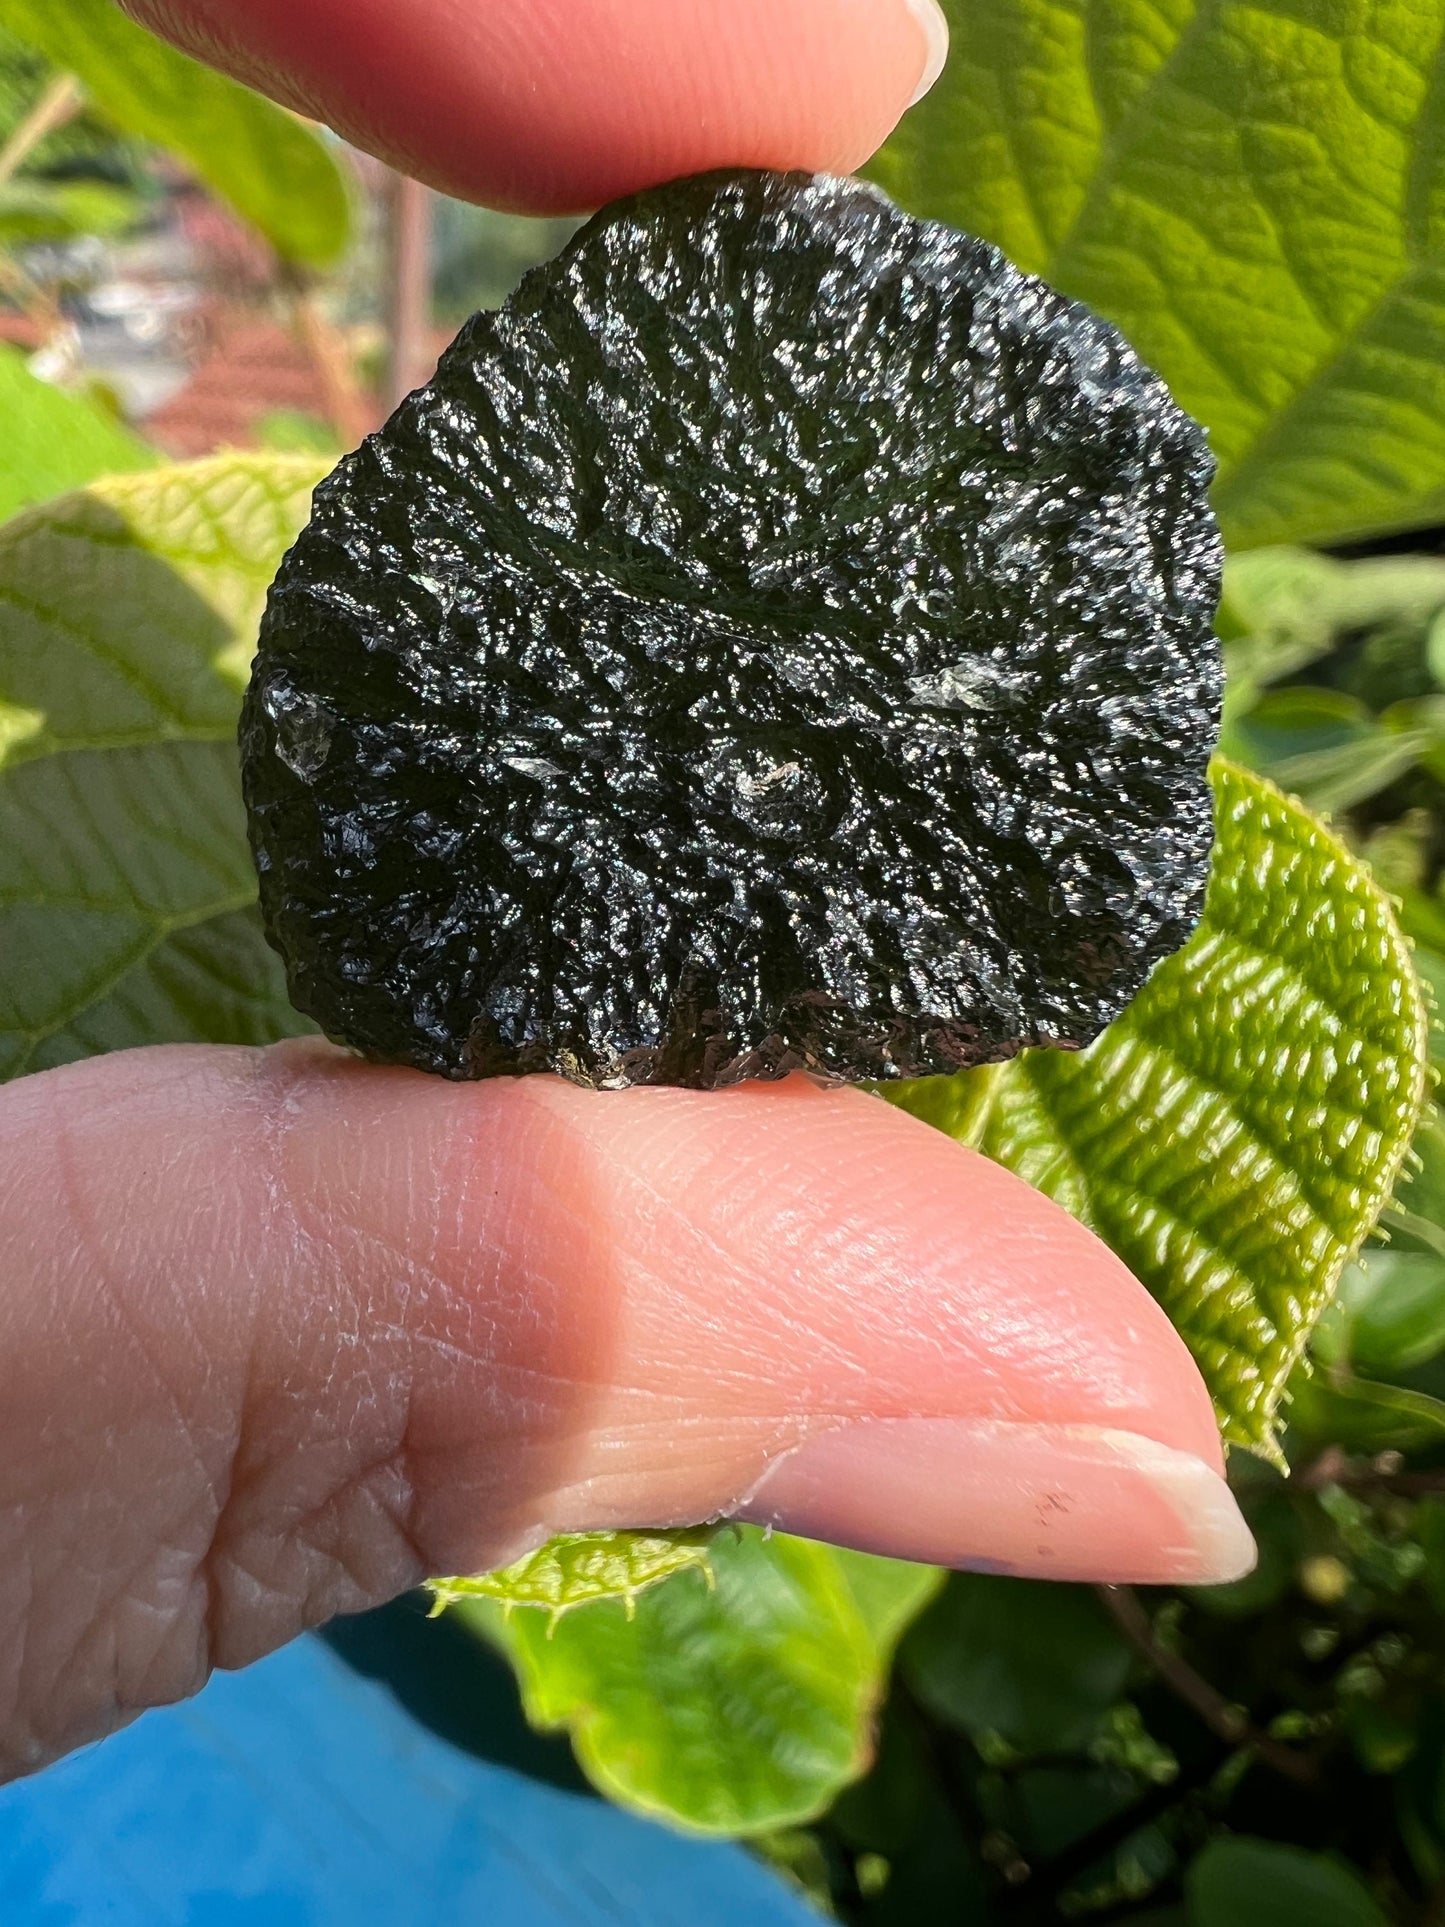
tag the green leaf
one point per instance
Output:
(1035, 1666)
(33, 211)
(1275, 614)
(1285, 607)
(55, 441)
(1337, 779)
(1430, 1533)
(1325, 747)
(1362, 1415)
(1389, 1315)
(584, 1568)
(734, 1708)
(1254, 193)
(1279, 1534)
(1254, 1883)
(1306, 721)
(1236, 1133)
(271, 167)
(1430, 966)
(127, 622)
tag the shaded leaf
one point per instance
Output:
(1421, 1190)
(1363, 1415)
(1279, 1534)
(1337, 779)
(1256, 195)
(1325, 746)
(128, 616)
(734, 1709)
(1255, 1883)
(580, 1569)
(272, 168)
(1389, 1315)
(54, 441)
(1237, 1132)
(1036, 1666)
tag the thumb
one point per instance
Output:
(555, 106)
(284, 1332)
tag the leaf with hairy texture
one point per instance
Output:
(271, 167)
(733, 1708)
(584, 1568)
(1237, 1132)
(128, 618)
(1254, 193)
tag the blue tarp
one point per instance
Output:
(299, 1794)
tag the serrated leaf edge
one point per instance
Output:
(1269, 1447)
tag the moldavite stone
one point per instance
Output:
(781, 636)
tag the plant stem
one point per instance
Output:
(346, 405)
(61, 101)
(1230, 1722)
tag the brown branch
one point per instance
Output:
(347, 407)
(1230, 1722)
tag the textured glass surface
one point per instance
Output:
(780, 637)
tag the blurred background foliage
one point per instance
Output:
(901, 1747)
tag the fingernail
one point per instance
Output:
(1046, 1501)
(930, 17)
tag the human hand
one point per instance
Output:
(286, 1332)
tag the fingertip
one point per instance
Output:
(548, 109)
(841, 1255)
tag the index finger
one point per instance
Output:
(555, 106)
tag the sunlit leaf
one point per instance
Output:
(272, 168)
(1237, 1132)
(733, 1708)
(1254, 193)
(55, 441)
(583, 1569)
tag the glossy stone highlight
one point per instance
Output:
(780, 637)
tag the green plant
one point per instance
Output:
(1256, 194)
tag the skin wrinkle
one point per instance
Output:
(490, 1296)
(116, 1587)
(266, 1101)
